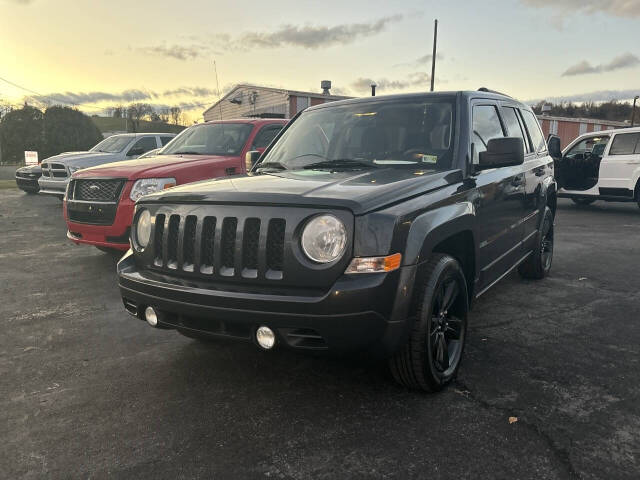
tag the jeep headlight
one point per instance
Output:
(143, 229)
(324, 239)
(146, 186)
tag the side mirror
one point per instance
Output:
(251, 158)
(555, 149)
(502, 152)
(135, 152)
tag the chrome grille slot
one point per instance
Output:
(250, 239)
(275, 244)
(172, 242)
(189, 243)
(228, 246)
(207, 245)
(159, 239)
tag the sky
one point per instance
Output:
(97, 53)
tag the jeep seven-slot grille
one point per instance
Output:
(97, 190)
(225, 247)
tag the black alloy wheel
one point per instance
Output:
(431, 357)
(538, 264)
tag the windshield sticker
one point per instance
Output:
(429, 159)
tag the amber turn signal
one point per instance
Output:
(375, 264)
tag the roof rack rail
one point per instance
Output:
(485, 89)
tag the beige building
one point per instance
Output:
(265, 102)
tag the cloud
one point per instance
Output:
(626, 60)
(178, 52)
(314, 37)
(616, 8)
(190, 91)
(414, 79)
(308, 36)
(419, 62)
(20, 2)
(597, 96)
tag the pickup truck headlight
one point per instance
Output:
(324, 239)
(74, 169)
(143, 229)
(146, 186)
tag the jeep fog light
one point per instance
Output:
(143, 229)
(265, 337)
(375, 264)
(151, 316)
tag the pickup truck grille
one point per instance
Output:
(239, 247)
(54, 170)
(96, 190)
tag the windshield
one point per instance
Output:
(113, 144)
(368, 135)
(210, 139)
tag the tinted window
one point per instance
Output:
(486, 125)
(165, 140)
(537, 139)
(624, 144)
(210, 139)
(514, 128)
(394, 134)
(266, 135)
(589, 147)
(144, 144)
(113, 144)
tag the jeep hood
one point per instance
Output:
(83, 159)
(158, 166)
(360, 192)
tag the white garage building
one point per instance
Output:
(265, 102)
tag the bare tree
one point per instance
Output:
(163, 113)
(176, 115)
(136, 112)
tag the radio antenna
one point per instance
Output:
(215, 69)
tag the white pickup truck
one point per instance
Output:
(57, 170)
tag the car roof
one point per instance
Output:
(467, 94)
(142, 134)
(612, 131)
(253, 121)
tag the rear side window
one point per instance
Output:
(145, 144)
(535, 133)
(486, 125)
(266, 135)
(625, 144)
(165, 140)
(514, 128)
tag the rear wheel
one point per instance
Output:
(431, 357)
(538, 265)
(583, 200)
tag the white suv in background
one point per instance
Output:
(57, 170)
(601, 166)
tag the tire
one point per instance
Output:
(538, 265)
(583, 200)
(441, 316)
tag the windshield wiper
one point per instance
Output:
(273, 166)
(340, 163)
(187, 152)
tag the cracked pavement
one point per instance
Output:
(87, 391)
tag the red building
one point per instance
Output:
(569, 128)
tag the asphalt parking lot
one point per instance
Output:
(87, 391)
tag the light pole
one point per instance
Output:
(633, 112)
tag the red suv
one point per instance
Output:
(99, 202)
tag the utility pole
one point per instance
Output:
(633, 112)
(435, 50)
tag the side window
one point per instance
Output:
(486, 125)
(165, 140)
(514, 128)
(537, 139)
(625, 144)
(266, 135)
(589, 147)
(142, 146)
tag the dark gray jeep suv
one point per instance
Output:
(368, 224)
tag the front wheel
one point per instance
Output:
(538, 264)
(431, 357)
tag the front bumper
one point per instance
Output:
(53, 187)
(28, 184)
(360, 312)
(115, 236)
